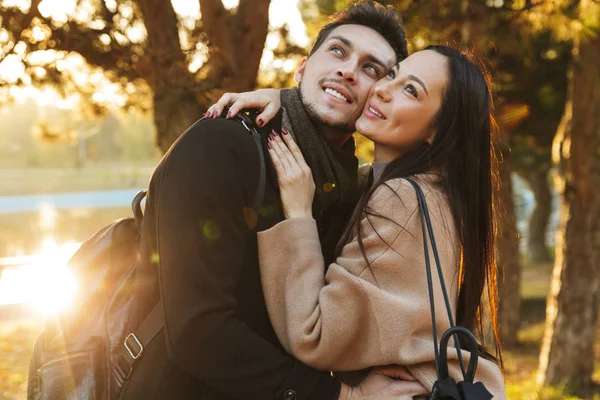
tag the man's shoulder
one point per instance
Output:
(211, 135)
(211, 143)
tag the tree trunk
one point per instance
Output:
(537, 179)
(236, 42)
(567, 353)
(175, 110)
(507, 255)
(165, 68)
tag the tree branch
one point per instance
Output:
(27, 19)
(105, 13)
(117, 58)
(218, 24)
(252, 26)
(164, 63)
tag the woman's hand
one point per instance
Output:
(267, 100)
(296, 184)
(392, 382)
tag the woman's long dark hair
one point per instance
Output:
(463, 152)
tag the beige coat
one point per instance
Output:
(354, 317)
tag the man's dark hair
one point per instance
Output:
(384, 20)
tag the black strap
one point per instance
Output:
(248, 123)
(135, 343)
(440, 361)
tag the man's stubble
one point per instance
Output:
(312, 109)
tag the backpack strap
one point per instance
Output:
(248, 123)
(135, 342)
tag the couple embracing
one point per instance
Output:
(321, 292)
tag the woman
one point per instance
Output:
(430, 119)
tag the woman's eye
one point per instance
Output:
(391, 73)
(412, 90)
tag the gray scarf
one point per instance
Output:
(335, 183)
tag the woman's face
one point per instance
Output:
(400, 109)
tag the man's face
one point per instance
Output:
(335, 80)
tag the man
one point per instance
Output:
(199, 244)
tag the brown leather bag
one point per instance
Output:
(78, 350)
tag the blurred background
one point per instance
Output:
(93, 92)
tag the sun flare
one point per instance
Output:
(44, 282)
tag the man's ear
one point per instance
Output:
(300, 71)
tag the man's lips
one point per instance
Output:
(374, 111)
(338, 91)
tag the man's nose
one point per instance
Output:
(347, 72)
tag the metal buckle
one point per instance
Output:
(245, 126)
(134, 356)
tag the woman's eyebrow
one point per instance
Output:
(420, 82)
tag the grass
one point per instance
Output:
(521, 363)
(16, 343)
(521, 368)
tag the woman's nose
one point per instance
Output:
(382, 89)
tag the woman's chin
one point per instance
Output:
(363, 126)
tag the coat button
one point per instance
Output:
(290, 395)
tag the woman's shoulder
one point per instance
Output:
(401, 189)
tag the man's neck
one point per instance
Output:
(334, 137)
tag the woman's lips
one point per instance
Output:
(373, 111)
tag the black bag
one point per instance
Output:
(445, 388)
(89, 351)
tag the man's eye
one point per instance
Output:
(372, 69)
(337, 50)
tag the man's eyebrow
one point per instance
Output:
(343, 40)
(348, 44)
(420, 82)
(376, 60)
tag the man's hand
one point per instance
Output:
(383, 383)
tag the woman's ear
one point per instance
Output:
(430, 136)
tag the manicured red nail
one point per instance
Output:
(216, 114)
(285, 132)
(269, 145)
(260, 122)
(207, 114)
(228, 115)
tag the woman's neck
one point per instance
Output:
(385, 154)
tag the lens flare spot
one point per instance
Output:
(211, 230)
(251, 217)
(154, 258)
(328, 187)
